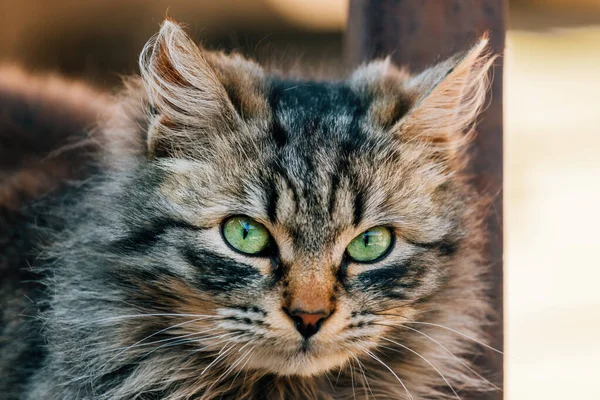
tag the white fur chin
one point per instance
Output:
(300, 365)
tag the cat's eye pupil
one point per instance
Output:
(370, 245)
(245, 235)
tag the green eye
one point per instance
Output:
(246, 235)
(370, 245)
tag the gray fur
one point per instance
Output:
(142, 299)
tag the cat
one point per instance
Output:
(217, 230)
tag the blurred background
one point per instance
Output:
(552, 140)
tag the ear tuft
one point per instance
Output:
(183, 89)
(196, 96)
(448, 98)
(174, 70)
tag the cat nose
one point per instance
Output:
(307, 323)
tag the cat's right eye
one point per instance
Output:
(245, 235)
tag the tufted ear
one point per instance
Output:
(195, 95)
(447, 99)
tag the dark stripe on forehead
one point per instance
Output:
(335, 182)
(315, 123)
(279, 134)
(345, 169)
(279, 172)
(359, 203)
(272, 198)
(300, 106)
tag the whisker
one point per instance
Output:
(382, 311)
(326, 374)
(220, 356)
(452, 354)
(374, 357)
(244, 346)
(172, 341)
(156, 333)
(420, 311)
(365, 380)
(458, 333)
(249, 353)
(171, 344)
(198, 340)
(228, 371)
(140, 341)
(221, 341)
(427, 361)
(337, 378)
(352, 378)
(132, 316)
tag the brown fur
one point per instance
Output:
(206, 123)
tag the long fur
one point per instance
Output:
(139, 297)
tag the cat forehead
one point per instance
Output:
(311, 98)
(334, 109)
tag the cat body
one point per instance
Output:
(126, 286)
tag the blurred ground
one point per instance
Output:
(552, 163)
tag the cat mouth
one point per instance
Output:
(306, 346)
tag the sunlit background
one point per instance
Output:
(552, 147)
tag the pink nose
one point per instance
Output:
(307, 323)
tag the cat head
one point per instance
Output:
(289, 226)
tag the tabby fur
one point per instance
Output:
(123, 288)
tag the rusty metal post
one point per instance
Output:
(417, 33)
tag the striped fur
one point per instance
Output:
(142, 299)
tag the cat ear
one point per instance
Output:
(244, 81)
(447, 99)
(190, 91)
(382, 82)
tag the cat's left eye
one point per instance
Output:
(246, 235)
(370, 245)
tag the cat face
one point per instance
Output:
(317, 178)
(288, 226)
